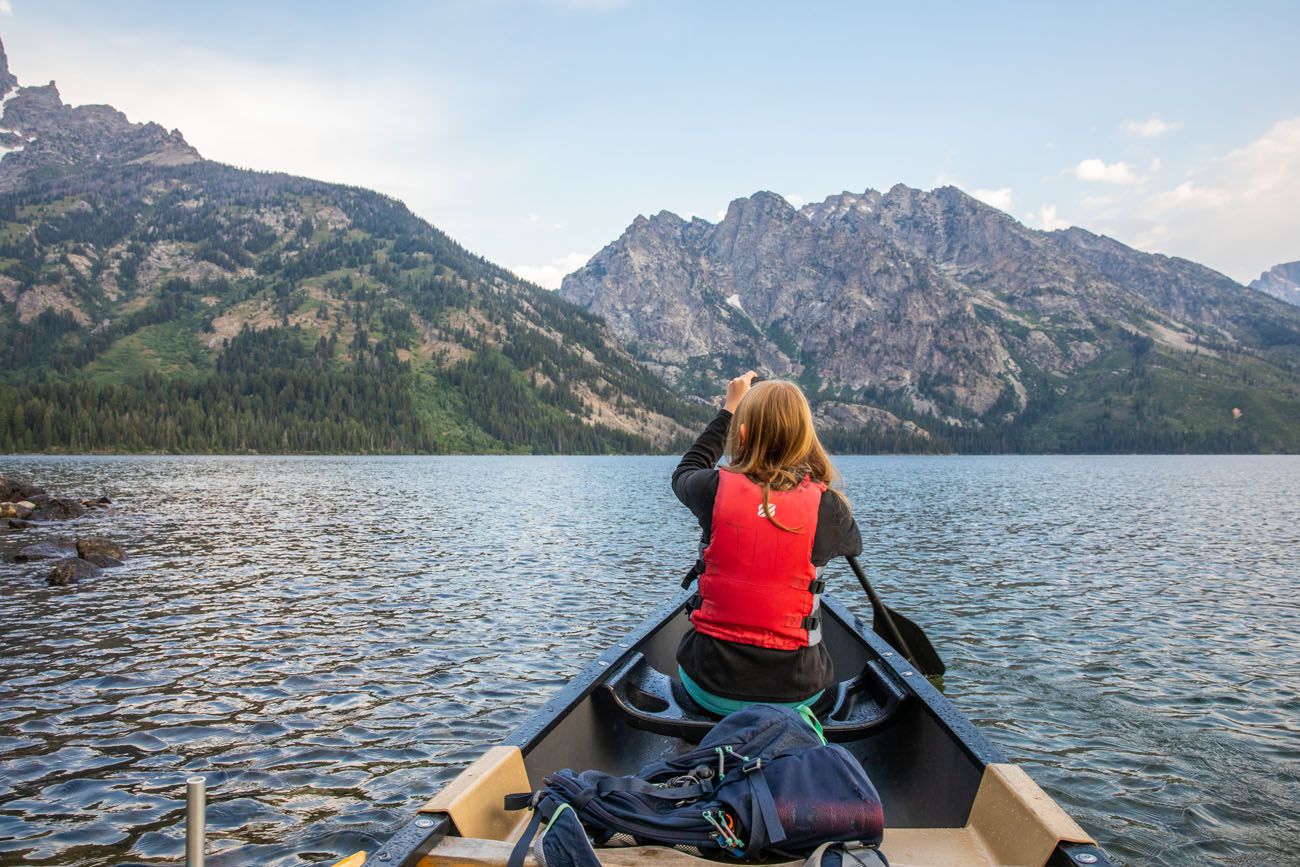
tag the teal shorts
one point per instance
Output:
(723, 706)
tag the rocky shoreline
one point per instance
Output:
(24, 505)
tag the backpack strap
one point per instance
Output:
(635, 786)
(520, 852)
(764, 815)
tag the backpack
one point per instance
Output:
(761, 781)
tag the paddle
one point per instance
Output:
(902, 634)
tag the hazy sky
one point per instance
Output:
(534, 131)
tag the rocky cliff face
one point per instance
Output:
(37, 130)
(1281, 281)
(930, 304)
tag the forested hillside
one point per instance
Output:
(154, 301)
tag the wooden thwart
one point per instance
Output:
(475, 800)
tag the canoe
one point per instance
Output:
(951, 798)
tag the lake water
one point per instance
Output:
(328, 640)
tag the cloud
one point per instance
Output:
(6, 7)
(550, 274)
(999, 198)
(1149, 128)
(1236, 213)
(1189, 195)
(1107, 173)
(381, 132)
(1047, 219)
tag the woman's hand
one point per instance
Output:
(737, 388)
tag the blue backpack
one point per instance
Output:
(762, 781)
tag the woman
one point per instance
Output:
(770, 522)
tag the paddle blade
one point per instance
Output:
(924, 656)
(354, 860)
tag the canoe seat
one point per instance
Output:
(652, 701)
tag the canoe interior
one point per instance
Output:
(926, 768)
(950, 797)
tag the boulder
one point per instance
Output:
(99, 546)
(12, 490)
(18, 524)
(70, 571)
(47, 508)
(50, 549)
(97, 503)
(20, 510)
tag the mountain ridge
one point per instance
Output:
(951, 315)
(1280, 281)
(152, 300)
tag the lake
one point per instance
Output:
(328, 640)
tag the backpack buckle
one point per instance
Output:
(750, 767)
(816, 586)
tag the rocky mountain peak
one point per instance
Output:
(7, 80)
(1281, 281)
(39, 131)
(923, 302)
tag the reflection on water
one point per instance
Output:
(327, 640)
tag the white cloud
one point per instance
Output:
(999, 198)
(1047, 219)
(1107, 173)
(550, 274)
(380, 131)
(1149, 128)
(6, 7)
(1188, 194)
(1155, 165)
(1237, 214)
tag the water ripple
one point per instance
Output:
(328, 640)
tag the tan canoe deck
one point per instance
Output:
(1012, 822)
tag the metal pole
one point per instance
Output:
(195, 821)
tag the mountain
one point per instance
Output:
(154, 300)
(930, 320)
(1281, 281)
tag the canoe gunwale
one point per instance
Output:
(423, 834)
(536, 727)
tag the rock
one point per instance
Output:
(47, 508)
(12, 490)
(18, 524)
(97, 546)
(932, 299)
(103, 561)
(16, 510)
(100, 503)
(70, 571)
(1281, 281)
(50, 549)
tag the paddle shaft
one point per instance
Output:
(881, 611)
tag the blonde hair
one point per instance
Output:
(779, 447)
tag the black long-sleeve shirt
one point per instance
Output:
(743, 671)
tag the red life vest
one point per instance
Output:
(759, 585)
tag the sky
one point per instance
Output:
(535, 131)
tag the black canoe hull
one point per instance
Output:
(926, 759)
(926, 740)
